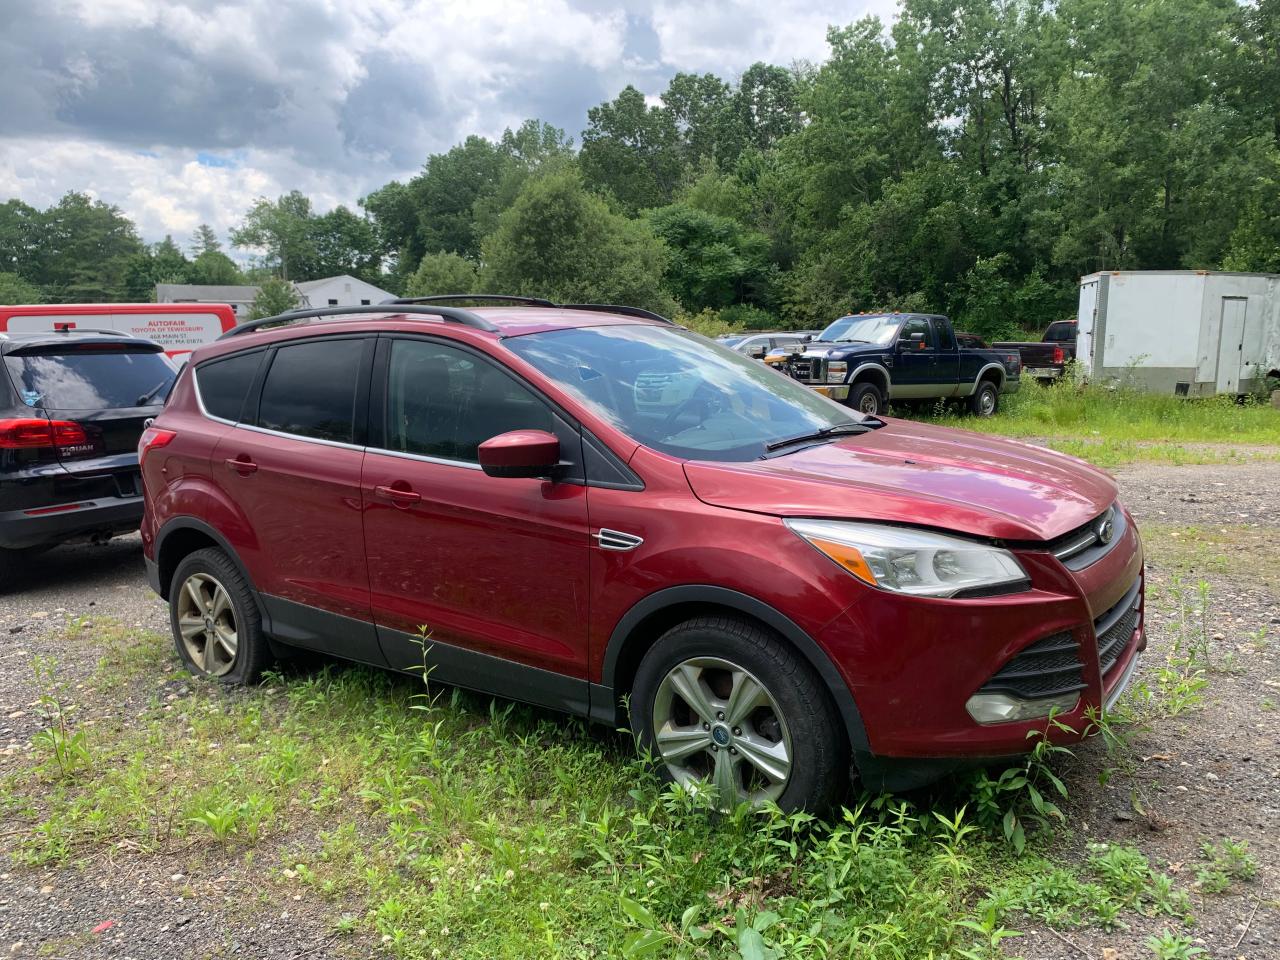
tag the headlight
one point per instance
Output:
(836, 371)
(915, 562)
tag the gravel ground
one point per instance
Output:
(1213, 773)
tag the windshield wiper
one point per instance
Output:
(147, 397)
(826, 433)
(852, 340)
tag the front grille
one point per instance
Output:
(806, 369)
(1115, 628)
(1085, 544)
(1047, 668)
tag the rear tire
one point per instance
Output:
(727, 702)
(217, 628)
(985, 401)
(866, 398)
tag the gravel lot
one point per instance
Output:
(1210, 774)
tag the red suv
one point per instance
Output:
(595, 510)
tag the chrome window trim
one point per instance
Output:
(423, 458)
(298, 436)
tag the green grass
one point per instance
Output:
(461, 826)
(1115, 426)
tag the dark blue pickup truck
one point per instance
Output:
(866, 360)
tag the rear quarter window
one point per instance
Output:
(224, 384)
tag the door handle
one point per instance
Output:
(399, 496)
(243, 467)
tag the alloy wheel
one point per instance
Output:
(207, 624)
(869, 404)
(713, 721)
(987, 403)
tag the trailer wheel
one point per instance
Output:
(985, 400)
(866, 398)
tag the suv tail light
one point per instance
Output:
(1059, 356)
(32, 433)
(153, 438)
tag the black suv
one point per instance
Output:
(73, 405)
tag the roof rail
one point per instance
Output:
(614, 308)
(447, 314)
(535, 302)
(496, 297)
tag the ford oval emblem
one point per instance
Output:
(1106, 530)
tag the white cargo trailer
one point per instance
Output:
(1186, 332)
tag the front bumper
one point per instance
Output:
(836, 391)
(919, 661)
(58, 523)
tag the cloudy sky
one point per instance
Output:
(184, 111)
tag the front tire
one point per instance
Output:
(985, 401)
(217, 628)
(866, 398)
(725, 702)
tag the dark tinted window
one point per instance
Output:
(943, 334)
(95, 378)
(311, 389)
(224, 384)
(1060, 332)
(444, 402)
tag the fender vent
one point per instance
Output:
(616, 540)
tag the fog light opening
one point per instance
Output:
(988, 708)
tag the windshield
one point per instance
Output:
(679, 393)
(868, 329)
(98, 379)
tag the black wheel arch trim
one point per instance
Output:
(743, 603)
(191, 523)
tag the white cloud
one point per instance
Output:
(119, 97)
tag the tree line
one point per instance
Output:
(976, 157)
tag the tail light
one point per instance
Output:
(1059, 356)
(34, 433)
(153, 438)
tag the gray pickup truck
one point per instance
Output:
(866, 360)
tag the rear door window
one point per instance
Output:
(310, 390)
(224, 384)
(92, 377)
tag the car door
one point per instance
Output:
(492, 571)
(291, 467)
(915, 367)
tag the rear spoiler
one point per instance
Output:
(117, 343)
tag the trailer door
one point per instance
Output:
(1086, 318)
(1231, 343)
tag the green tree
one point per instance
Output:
(21, 238)
(630, 150)
(283, 230)
(714, 261)
(700, 105)
(214, 267)
(560, 241)
(345, 242)
(85, 247)
(204, 240)
(275, 296)
(440, 273)
(13, 289)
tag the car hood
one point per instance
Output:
(912, 473)
(826, 348)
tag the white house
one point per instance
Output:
(342, 291)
